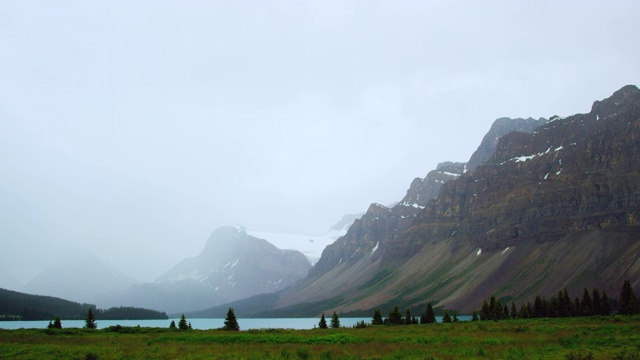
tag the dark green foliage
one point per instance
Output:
(377, 318)
(36, 307)
(455, 316)
(130, 313)
(446, 318)
(395, 318)
(90, 320)
(590, 304)
(172, 325)
(578, 356)
(628, 301)
(407, 317)
(230, 322)
(335, 321)
(597, 302)
(323, 322)
(57, 323)
(91, 356)
(606, 304)
(182, 324)
(474, 316)
(430, 315)
(586, 304)
(360, 325)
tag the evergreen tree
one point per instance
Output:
(230, 322)
(446, 318)
(90, 320)
(377, 318)
(455, 316)
(577, 309)
(182, 324)
(628, 301)
(430, 316)
(597, 302)
(172, 325)
(407, 317)
(586, 305)
(514, 312)
(563, 307)
(474, 316)
(567, 302)
(606, 304)
(50, 326)
(505, 312)
(524, 312)
(485, 312)
(190, 328)
(335, 321)
(323, 322)
(395, 318)
(57, 324)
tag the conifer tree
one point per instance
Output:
(628, 301)
(430, 316)
(90, 320)
(230, 322)
(474, 316)
(455, 316)
(606, 304)
(597, 302)
(586, 305)
(485, 312)
(395, 318)
(407, 317)
(190, 328)
(335, 321)
(446, 318)
(182, 324)
(172, 325)
(377, 318)
(57, 324)
(323, 322)
(514, 312)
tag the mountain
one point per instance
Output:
(311, 246)
(232, 265)
(500, 128)
(78, 275)
(553, 207)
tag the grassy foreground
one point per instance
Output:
(573, 338)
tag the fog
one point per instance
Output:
(135, 128)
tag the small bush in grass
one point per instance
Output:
(91, 356)
(578, 356)
(303, 354)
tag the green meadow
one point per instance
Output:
(614, 337)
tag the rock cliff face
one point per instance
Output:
(500, 128)
(554, 208)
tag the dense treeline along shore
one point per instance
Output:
(19, 306)
(599, 337)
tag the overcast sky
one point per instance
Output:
(136, 128)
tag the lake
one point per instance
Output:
(201, 324)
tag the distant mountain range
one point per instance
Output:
(542, 205)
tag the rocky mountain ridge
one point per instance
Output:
(553, 208)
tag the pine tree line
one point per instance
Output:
(591, 303)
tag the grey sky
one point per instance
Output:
(135, 128)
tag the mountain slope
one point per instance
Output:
(232, 265)
(78, 275)
(554, 208)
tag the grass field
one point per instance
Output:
(574, 338)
